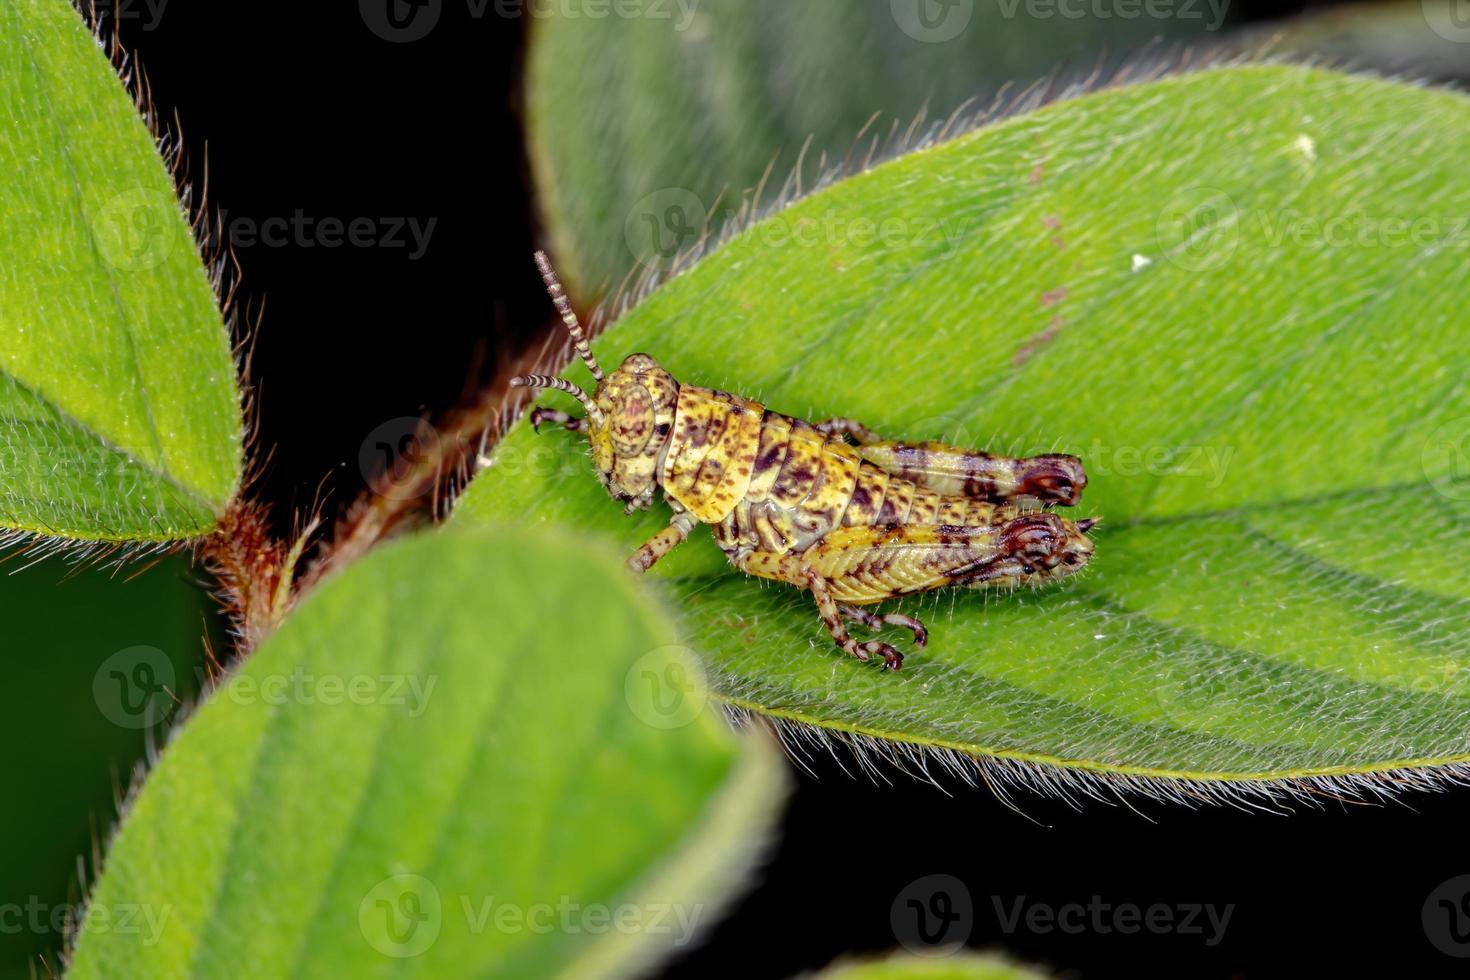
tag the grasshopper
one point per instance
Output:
(797, 502)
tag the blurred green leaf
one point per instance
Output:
(1239, 296)
(119, 418)
(466, 755)
(1417, 39)
(96, 665)
(642, 125)
(904, 966)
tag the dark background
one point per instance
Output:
(300, 109)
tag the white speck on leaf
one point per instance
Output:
(1141, 261)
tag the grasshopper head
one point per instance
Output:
(629, 414)
(630, 429)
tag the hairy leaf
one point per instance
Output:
(96, 667)
(1239, 296)
(119, 418)
(960, 966)
(642, 126)
(436, 769)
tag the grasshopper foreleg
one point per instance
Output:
(663, 542)
(544, 416)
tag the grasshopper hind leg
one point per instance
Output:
(831, 613)
(1053, 478)
(874, 621)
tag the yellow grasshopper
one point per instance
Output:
(796, 502)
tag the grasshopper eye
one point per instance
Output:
(631, 423)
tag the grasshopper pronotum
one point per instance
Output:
(794, 501)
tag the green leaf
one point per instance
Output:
(96, 663)
(908, 966)
(450, 762)
(119, 417)
(1239, 296)
(1420, 39)
(641, 125)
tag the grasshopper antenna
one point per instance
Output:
(559, 298)
(560, 384)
